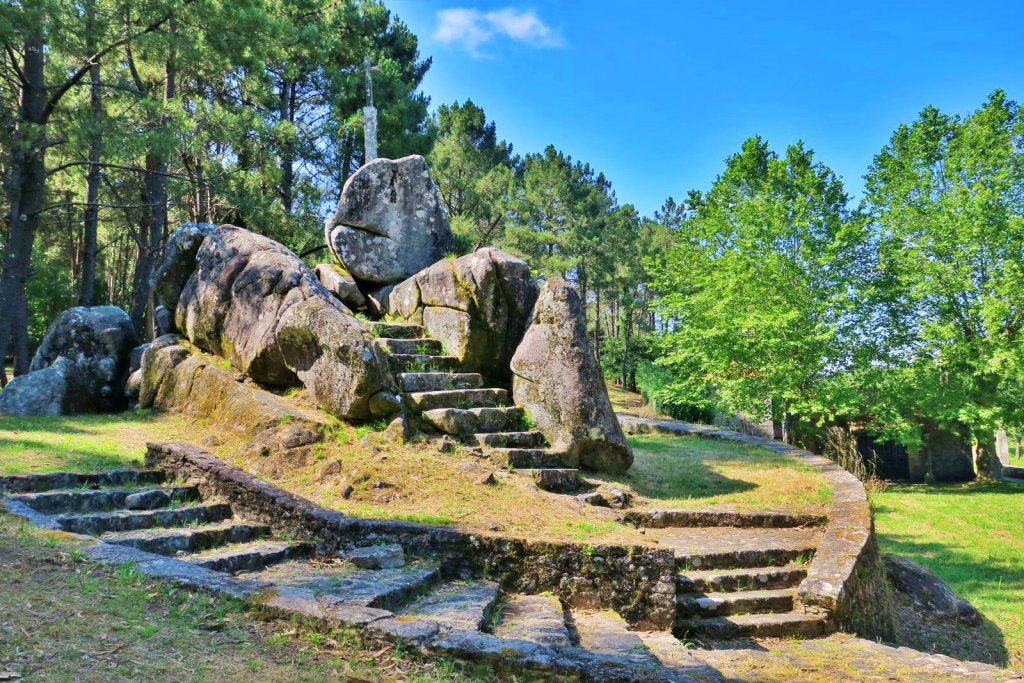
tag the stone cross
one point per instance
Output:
(369, 113)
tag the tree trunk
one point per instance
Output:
(597, 323)
(626, 334)
(28, 173)
(287, 113)
(156, 189)
(87, 294)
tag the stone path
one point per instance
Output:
(202, 544)
(458, 403)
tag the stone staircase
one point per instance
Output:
(203, 544)
(457, 403)
(737, 582)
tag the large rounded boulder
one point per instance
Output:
(178, 263)
(242, 285)
(557, 380)
(81, 365)
(390, 222)
(336, 359)
(477, 305)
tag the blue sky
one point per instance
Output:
(657, 94)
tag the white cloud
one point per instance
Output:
(468, 29)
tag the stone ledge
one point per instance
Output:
(637, 581)
(657, 519)
(846, 577)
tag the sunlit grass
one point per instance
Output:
(972, 535)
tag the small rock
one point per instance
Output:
(376, 556)
(147, 500)
(211, 441)
(616, 498)
(365, 441)
(330, 469)
(347, 491)
(592, 498)
(493, 526)
(488, 479)
(382, 485)
(448, 445)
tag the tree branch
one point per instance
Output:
(84, 68)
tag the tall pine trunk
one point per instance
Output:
(28, 176)
(87, 293)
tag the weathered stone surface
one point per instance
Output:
(478, 306)
(340, 284)
(147, 500)
(390, 556)
(95, 343)
(178, 263)
(390, 221)
(378, 300)
(242, 287)
(334, 356)
(926, 589)
(557, 380)
(176, 378)
(60, 389)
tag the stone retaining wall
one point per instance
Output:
(846, 577)
(637, 581)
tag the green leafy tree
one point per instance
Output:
(755, 282)
(474, 172)
(946, 197)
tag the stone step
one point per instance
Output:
(784, 625)
(526, 458)
(737, 602)
(250, 556)
(677, 657)
(385, 330)
(605, 632)
(130, 520)
(510, 440)
(439, 381)
(422, 347)
(86, 500)
(702, 548)
(719, 580)
(535, 619)
(344, 583)
(404, 362)
(187, 539)
(462, 422)
(456, 606)
(458, 398)
(659, 519)
(34, 483)
(555, 480)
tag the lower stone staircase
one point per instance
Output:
(457, 403)
(203, 544)
(741, 582)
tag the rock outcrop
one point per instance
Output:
(557, 380)
(335, 358)
(242, 285)
(478, 306)
(390, 222)
(340, 284)
(254, 302)
(179, 261)
(176, 377)
(928, 591)
(81, 366)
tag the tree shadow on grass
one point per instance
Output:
(76, 459)
(975, 579)
(970, 488)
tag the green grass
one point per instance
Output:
(691, 472)
(83, 442)
(972, 535)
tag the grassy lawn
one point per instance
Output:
(83, 442)
(972, 535)
(68, 620)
